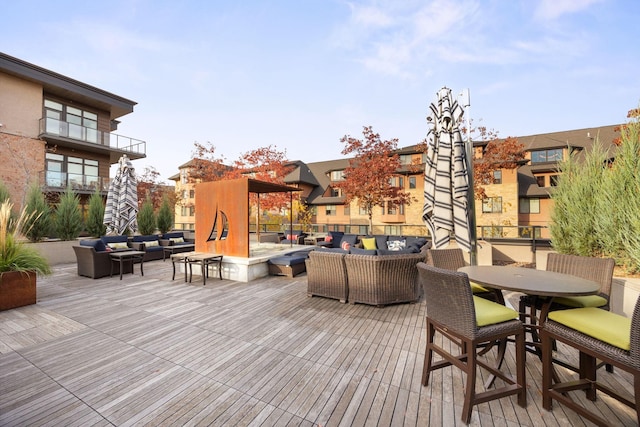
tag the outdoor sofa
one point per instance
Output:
(93, 260)
(368, 279)
(177, 239)
(149, 244)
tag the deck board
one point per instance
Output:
(152, 351)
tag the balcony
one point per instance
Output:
(72, 135)
(83, 184)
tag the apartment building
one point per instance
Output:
(58, 132)
(517, 204)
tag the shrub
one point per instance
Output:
(146, 218)
(38, 224)
(68, 217)
(14, 255)
(165, 216)
(95, 216)
(597, 203)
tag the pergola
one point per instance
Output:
(222, 214)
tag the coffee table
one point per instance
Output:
(126, 256)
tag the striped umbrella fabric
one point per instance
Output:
(446, 180)
(121, 211)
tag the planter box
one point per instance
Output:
(17, 289)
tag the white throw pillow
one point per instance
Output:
(396, 245)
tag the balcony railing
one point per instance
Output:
(59, 181)
(58, 128)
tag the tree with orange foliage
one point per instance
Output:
(150, 187)
(264, 164)
(367, 177)
(205, 165)
(631, 114)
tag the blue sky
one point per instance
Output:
(300, 74)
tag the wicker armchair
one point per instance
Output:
(469, 322)
(327, 275)
(383, 279)
(94, 264)
(597, 335)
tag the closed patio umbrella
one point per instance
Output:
(121, 210)
(446, 177)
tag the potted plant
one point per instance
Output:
(19, 263)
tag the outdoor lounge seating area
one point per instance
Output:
(257, 353)
(93, 259)
(368, 279)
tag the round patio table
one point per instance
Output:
(540, 284)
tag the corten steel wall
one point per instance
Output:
(231, 198)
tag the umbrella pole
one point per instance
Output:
(471, 201)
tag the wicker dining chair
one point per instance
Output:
(599, 270)
(598, 335)
(469, 322)
(453, 259)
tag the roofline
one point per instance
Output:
(51, 79)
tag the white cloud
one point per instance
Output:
(553, 9)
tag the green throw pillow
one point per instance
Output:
(490, 313)
(151, 243)
(369, 243)
(600, 324)
(177, 239)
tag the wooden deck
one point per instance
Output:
(151, 351)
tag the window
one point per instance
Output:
(337, 175)
(529, 206)
(335, 192)
(412, 182)
(401, 182)
(330, 210)
(184, 177)
(553, 180)
(192, 194)
(393, 230)
(540, 180)
(362, 211)
(64, 170)
(391, 209)
(497, 177)
(73, 122)
(406, 159)
(185, 194)
(542, 156)
(347, 210)
(492, 205)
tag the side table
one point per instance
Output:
(126, 256)
(181, 257)
(204, 260)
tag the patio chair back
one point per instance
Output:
(599, 270)
(449, 259)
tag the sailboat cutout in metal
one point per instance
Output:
(223, 227)
(214, 234)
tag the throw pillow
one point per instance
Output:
(176, 240)
(328, 238)
(151, 243)
(369, 243)
(346, 246)
(396, 245)
(118, 245)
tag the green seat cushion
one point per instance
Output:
(369, 243)
(477, 289)
(579, 302)
(600, 324)
(490, 313)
